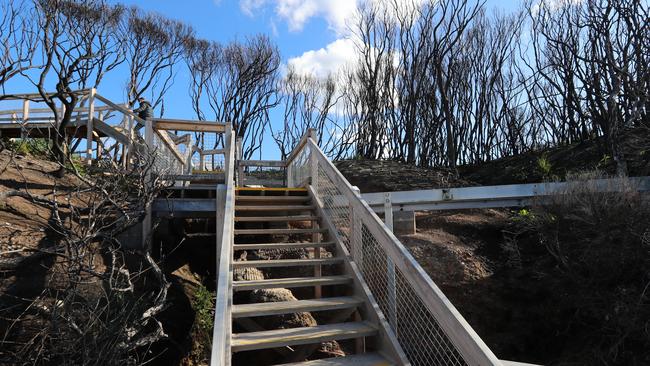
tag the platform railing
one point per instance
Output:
(428, 327)
(111, 129)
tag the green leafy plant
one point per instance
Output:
(78, 163)
(203, 305)
(544, 166)
(33, 147)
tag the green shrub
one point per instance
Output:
(29, 146)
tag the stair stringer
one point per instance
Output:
(387, 344)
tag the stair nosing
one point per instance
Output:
(303, 335)
(287, 262)
(364, 359)
(290, 282)
(252, 246)
(278, 231)
(297, 306)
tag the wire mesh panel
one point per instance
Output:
(417, 330)
(210, 163)
(165, 161)
(300, 167)
(335, 204)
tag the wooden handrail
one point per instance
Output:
(188, 125)
(48, 110)
(303, 141)
(264, 163)
(121, 109)
(164, 137)
(220, 354)
(37, 96)
(468, 343)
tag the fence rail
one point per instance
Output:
(428, 327)
(511, 195)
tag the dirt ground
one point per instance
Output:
(462, 252)
(23, 225)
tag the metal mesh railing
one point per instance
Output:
(429, 329)
(210, 163)
(418, 332)
(165, 160)
(335, 204)
(299, 168)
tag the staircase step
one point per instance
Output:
(305, 335)
(290, 307)
(286, 262)
(275, 208)
(270, 189)
(366, 359)
(277, 231)
(276, 218)
(273, 198)
(290, 282)
(281, 245)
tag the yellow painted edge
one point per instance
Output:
(269, 189)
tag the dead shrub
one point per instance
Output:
(589, 247)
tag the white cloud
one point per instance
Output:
(327, 60)
(298, 12)
(248, 7)
(554, 5)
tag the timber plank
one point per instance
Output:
(290, 307)
(367, 359)
(276, 218)
(287, 262)
(277, 231)
(290, 282)
(282, 245)
(296, 336)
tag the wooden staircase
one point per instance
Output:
(286, 221)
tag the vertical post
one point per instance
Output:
(23, 128)
(221, 207)
(289, 168)
(390, 272)
(89, 126)
(356, 231)
(228, 144)
(148, 149)
(129, 147)
(188, 159)
(318, 270)
(313, 165)
(240, 168)
(98, 141)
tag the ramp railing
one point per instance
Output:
(220, 355)
(428, 327)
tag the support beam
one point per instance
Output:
(188, 125)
